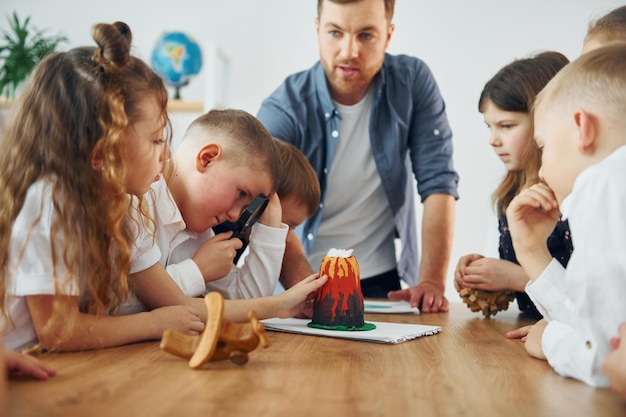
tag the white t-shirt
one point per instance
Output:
(30, 270)
(584, 304)
(356, 211)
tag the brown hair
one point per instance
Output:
(389, 6)
(610, 27)
(514, 89)
(245, 140)
(298, 179)
(73, 100)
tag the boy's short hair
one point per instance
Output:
(609, 28)
(298, 179)
(597, 78)
(244, 139)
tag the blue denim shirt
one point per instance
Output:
(409, 132)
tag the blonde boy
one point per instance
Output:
(299, 191)
(610, 28)
(580, 125)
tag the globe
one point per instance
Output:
(176, 57)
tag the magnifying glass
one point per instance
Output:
(250, 214)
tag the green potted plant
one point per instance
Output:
(21, 48)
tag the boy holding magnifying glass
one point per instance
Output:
(225, 160)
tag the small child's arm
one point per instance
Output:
(214, 258)
(155, 288)
(295, 264)
(532, 216)
(614, 365)
(258, 275)
(533, 339)
(286, 304)
(575, 351)
(273, 214)
(75, 330)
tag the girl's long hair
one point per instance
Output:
(514, 89)
(72, 101)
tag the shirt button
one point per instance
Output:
(335, 134)
(321, 205)
(327, 115)
(588, 344)
(310, 236)
(325, 170)
(436, 132)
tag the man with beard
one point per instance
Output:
(365, 120)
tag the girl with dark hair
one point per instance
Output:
(506, 103)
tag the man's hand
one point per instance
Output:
(427, 296)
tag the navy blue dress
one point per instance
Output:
(559, 244)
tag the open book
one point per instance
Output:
(383, 333)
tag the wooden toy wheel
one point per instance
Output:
(238, 357)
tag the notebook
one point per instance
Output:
(392, 333)
(389, 307)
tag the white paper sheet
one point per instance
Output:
(383, 333)
(389, 307)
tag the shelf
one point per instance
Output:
(5, 103)
(173, 106)
(185, 106)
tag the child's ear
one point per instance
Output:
(587, 131)
(97, 160)
(207, 155)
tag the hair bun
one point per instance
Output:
(113, 53)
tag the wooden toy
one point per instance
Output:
(220, 340)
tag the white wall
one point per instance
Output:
(464, 42)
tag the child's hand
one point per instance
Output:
(460, 270)
(489, 274)
(533, 339)
(273, 214)
(183, 319)
(215, 257)
(298, 298)
(17, 363)
(532, 216)
(520, 333)
(614, 365)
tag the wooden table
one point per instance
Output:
(469, 369)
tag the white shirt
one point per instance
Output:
(258, 275)
(30, 269)
(355, 201)
(584, 304)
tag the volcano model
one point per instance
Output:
(338, 304)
